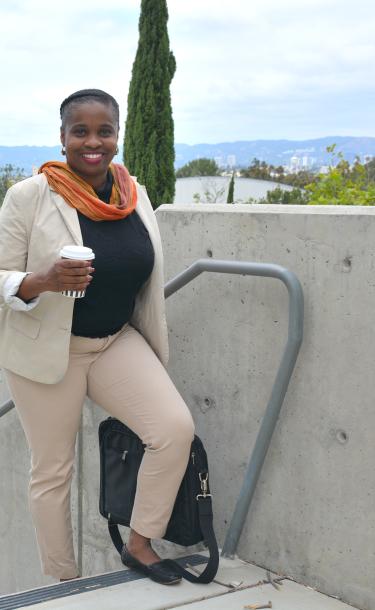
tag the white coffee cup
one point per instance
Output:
(76, 253)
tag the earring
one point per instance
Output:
(116, 151)
(63, 152)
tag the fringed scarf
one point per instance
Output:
(81, 195)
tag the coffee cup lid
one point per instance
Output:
(80, 253)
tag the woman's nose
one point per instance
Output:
(93, 140)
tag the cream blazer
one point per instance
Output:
(35, 223)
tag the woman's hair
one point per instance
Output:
(87, 95)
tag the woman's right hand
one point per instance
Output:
(64, 274)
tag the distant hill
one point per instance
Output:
(26, 157)
(241, 153)
(277, 152)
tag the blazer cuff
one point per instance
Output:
(10, 289)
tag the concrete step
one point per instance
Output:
(238, 584)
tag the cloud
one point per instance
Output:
(274, 67)
(244, 69)
(52, 49)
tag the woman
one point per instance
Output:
(110, 345)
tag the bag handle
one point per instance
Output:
(205, 521)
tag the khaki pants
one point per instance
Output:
(122, 374)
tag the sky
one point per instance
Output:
(246, 69)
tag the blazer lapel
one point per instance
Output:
(69, 216)
(142, 213)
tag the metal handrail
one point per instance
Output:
(280, 386)
(284, 373)
(6, 406)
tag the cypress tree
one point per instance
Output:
(149, 132)
(230, 198)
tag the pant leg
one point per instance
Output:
(50, 416)
(129, 381)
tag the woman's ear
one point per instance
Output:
(62, 135)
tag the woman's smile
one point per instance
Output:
(93, 158)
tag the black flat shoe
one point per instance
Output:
(163, 572)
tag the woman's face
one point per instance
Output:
(90, 140)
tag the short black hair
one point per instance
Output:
(88, 95)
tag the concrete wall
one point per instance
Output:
(312, 514)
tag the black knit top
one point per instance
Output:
(124, 258)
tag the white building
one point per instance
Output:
(294, 163)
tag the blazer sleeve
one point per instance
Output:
(13, 240)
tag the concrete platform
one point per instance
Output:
(238, 585)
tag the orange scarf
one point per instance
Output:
(80, 195)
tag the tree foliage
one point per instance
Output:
(343, 184)
(9, 175)
(212, 193)
(370, 171)
(278, 195)
(230, 197)
(198, 167)
(149, 133)
(260, 170)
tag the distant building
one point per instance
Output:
(294, 163)
(219, 161)
(231, 160)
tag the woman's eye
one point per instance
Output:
(106, 132)
(79, 132)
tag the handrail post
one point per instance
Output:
(284, 373)
(6, 407)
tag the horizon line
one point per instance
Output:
(211, 143)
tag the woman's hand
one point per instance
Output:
(64, 274)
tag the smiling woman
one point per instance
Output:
(89, 133)
(104, 344)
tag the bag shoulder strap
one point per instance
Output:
(205, 521)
